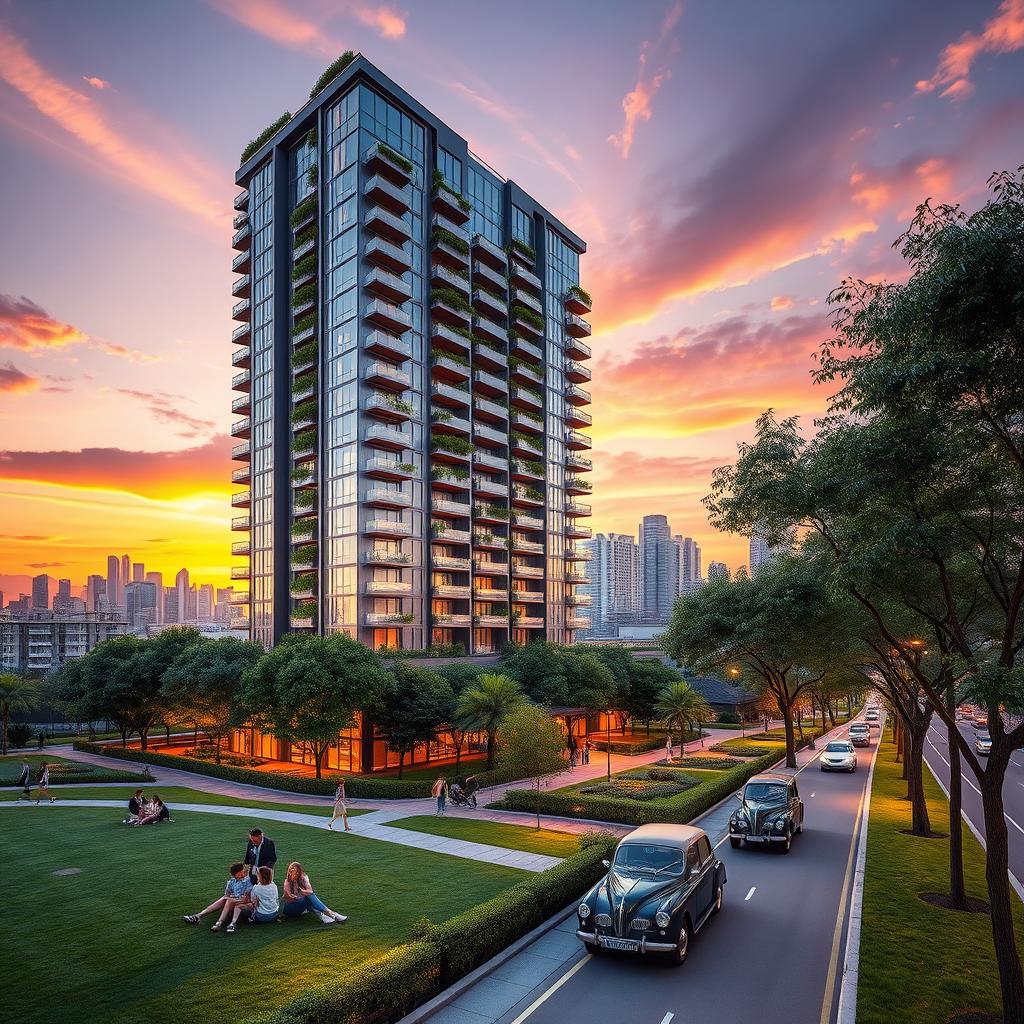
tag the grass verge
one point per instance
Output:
(63, 770)
(929, 962)
(496, 833)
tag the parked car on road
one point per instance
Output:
(770, 811)
(860, 734)
(839, 756)
(982, 743)
(663, 884)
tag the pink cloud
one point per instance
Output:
(96, 83)
(14, 381)
(782, 302)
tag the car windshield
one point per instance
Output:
(838, 748)
(765, 792)
(984, 737)
(637, 858)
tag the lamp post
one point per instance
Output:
(608, 745)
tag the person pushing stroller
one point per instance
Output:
(462, 792)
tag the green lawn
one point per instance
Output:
(172, 796)
(632, 779)
(497, 833)
(744, 746)
(928, 962)
(109, 944)
(10, 769)
(431, 772)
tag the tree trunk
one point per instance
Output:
(914, 765)
(144, 738)
(6, 720)
(401, 763)
(957, 889)
(823, 703)
(1011, 981)
(217, 749)
(787, 718)
(831, 713)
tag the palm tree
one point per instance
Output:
(483, 705)
(16, 694)
(680, 705)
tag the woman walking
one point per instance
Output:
(440, 793)
(44, 783)
(299, 897)
(340, 807)
(668, 747)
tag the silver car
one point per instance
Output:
(839, 756)
(983, 743)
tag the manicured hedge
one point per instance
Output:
(440, 954)
(640, 746)
(679, 809)
(79, 773)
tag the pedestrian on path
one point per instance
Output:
(340, 807)
(587, 747)
(299, 897)
(668, 747)
(25, 781)
(440, 793)
(44, 783)
(573, 752)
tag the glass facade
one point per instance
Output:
(486, 193)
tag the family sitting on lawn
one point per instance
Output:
(142, 811)
(251, 891)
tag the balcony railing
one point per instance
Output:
(384, 497)
(498, 621)
(387, 315)
(495, 308)
(577, 555)
(490, 594)
(384, 557)
(528, 571)
(387, 528)
(448, 535)
(576, 326)
(486, 567)
(240, 572)
(379, 160)
(529, 622)
(396, 198)
(531, 547)
(382, 282)
(451, 562)
(389, 619)
(575, 302)
(390, 346)
(386, 437)
(577, 395)
(241, 357)
(387, 225)
(443, 311)
(488, 383)
(241, 499)
(240, 547)
(241, 286)
(452, 590)
(490, 461)
(398, 588)
(490, 410)
(447, 202)
(242, 238)
(527, 522)
(483, 272)
(388, 469)
(487, 328)
(522, 275)
(241, 405)
(577, 441)
(451, 620)
(382, 253)
(577, 348)
(240, 452)
(387, 376)
(242, 475)
(304, 249)
(241, 523)
(446, 507)
(527, 596)
(240, 335)
(443, 277)
(487, 252)
(242, 200)
(241, 428)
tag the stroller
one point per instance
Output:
(462, 792)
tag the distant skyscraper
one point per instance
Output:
(157, 579)
(761, 551)
(170, 604)
(95, 588)
(717, 571)
(614, 586)
(41, 592)
(659, 568)
(138, 572)
(182, 588)
(223, 610)
(126, 574)
(62, 599)
(140, 604)
(113, 591)
(689, 566)
(204, 611)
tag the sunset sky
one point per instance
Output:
(728, 164)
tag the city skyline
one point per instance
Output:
(709, 261)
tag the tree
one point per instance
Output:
(17, 695)
(530, 747)
(539, 669)
(204, 680)
(309, 688)
(415, 702)
(460, 676)
(682, 707)
(484, 706)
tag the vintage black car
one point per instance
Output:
(663, 883)
(770, 812)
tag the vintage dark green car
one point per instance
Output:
(663, 883)
(771, 812)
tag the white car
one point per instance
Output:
(839, 756)
(983, 742)
(860, 734)
(871, 717)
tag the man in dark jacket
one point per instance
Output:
(259, 853)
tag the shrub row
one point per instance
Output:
(264, 136)
(391, 986)
(77, 773)
(679, 809)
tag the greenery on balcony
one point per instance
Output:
(312, 176)
(528, 316)
(438, 527)
(520, 246)
(312, 137)
(532, 389)
(304, 295)
(265, 136)
(451, 443)
(305, 267)
(483, 537)
(580, 293)
(482, 284)
(305, 412)
(407, 467)
(304, 556)
(303, 529)
(395, 157)
(399, 404)
(495, 511)
(439, 184)
(530, 442)
(301, 386)
(331, 72)
(533, 494)
(304, 354)
(304, 441)
(449, 473)
(450, 297)
(443, 236)
(302, 475)
(441, 416)
(583, 485)
(529, 414)
(303, 323)
(304, 610)
(303, 211)
(307, 234)
(304, 584)
(440, 353)
(305, 499)
(535, 467)
(487, 343)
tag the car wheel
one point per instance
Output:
(788, 844)
(735, 843)
(683, 945)
(591, 948)
(719, 896)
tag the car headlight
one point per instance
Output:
(584, 911)
(780, 824)
(661, 919)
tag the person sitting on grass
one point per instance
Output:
(135, 808)
(237, 899)
(265, 897)
(299, 896)
(160, 812)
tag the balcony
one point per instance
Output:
(577, 372)
(304, 449)
(577, 396)
(242, 475)
(241, 428)
(240, 597)
(439, 220)
(241, 310)
(572, 576)
(390, 317)
(241, 405)
(450, 340)
(240, 572)
(241, 357)
(527, 447)
(576, 532)
(490, 305)
(387, 345)
(495, 621)
(482, 272)
(491, 513)
(490, 488)
(576, 441)
(396, 198)
(531, 376)
(577, 622)
(523, 470)
(521, 275)
(384, 375)
(242, 238)
(387, 588)
(442, 311)
(304, 214)
(442, 533)
(241, 523)
(449, 509)
(241, 452)
(449, 396)
(577, 509)
(577, 302)
(526, 326)
(387, 497)
(574, 485)
(451, 590)
(481, 593)
(490, 461)
(445, 201)
(444, 422)
(487, 567)
(241, 499)
(387, 285)
(578, 600)
(388, 438)
(384, 223)
(522, 546)
(307, 479)
(241, 287)
(242, 200)
(240, 547)
(304, 359)
(532, 572)
(490, 411)
(389, 619)
(524, 398)
(529, 622)
(242, 262)
(527, 497)
(524, 522)
(451, 563)
(576, 348)
(532, 423)
(303, 334)
(488, 541)
(386, 528)
(382, 253)
(442, 277)
(527, 597)
(487, 355)
(380, 159)
(446, 254)
(489, 254)
(386, 406)
(576, 417)
(528, 300)
(452, 621)
(578, 463)
(380, 468)
(577, 555)
(442, 454)
(384, 556)
(526, 349)
(489, 437)
(303, 249)
(488, 329)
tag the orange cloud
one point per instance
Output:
(1002, 33)
(96, 83)
(77, 114)
(782, 302)
(389, 24)
(13, 380)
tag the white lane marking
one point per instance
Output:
(753, 889)
(668, 1017)
(551, 991)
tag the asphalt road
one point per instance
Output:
(766, 957)
(936, 753)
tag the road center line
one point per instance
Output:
(753, 889)
(544, 996)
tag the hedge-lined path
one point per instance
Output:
(361, 826)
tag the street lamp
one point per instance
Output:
(608, 745)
